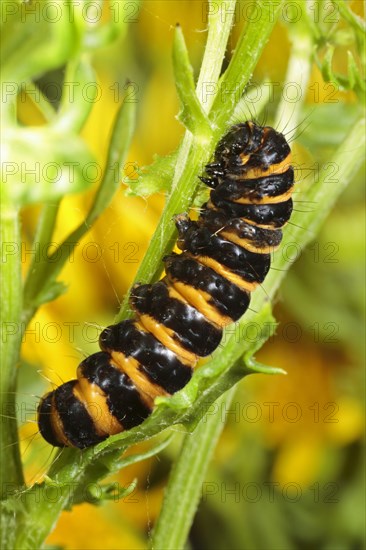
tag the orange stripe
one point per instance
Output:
(130, 366)
(229, 275)
(257, 172)
(166, 335)
(57, 426)
(95, 402)
(247, 244)
(199, 300)
(266, 200)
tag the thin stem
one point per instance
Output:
(11, 299)
(220, 22)
(187, 476)
(40, 262)
(71, 117)
(298, 72)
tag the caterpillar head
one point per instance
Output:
(242, 139)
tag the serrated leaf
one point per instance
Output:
(155, 178)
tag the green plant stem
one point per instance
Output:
(247, 53)
(70, 118)
(39, 264)
(11, 301)
(298, 72)
(220, 22)
(185, 482)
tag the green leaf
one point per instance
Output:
(123, 128)
(351, 81)
(326, 67)
(36, 37)
(40, 164)
(50, 292)
(356, 82)
(105, 21)
(154, 178)
(255, 366)
(74, 109)
(154, 450)
(192, 114)
(354, 20)
(330, 123)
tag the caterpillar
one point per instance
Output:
(225, 256)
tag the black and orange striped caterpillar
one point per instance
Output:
(225, 255)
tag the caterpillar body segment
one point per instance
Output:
(225, 256)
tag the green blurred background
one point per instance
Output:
(288, 469)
